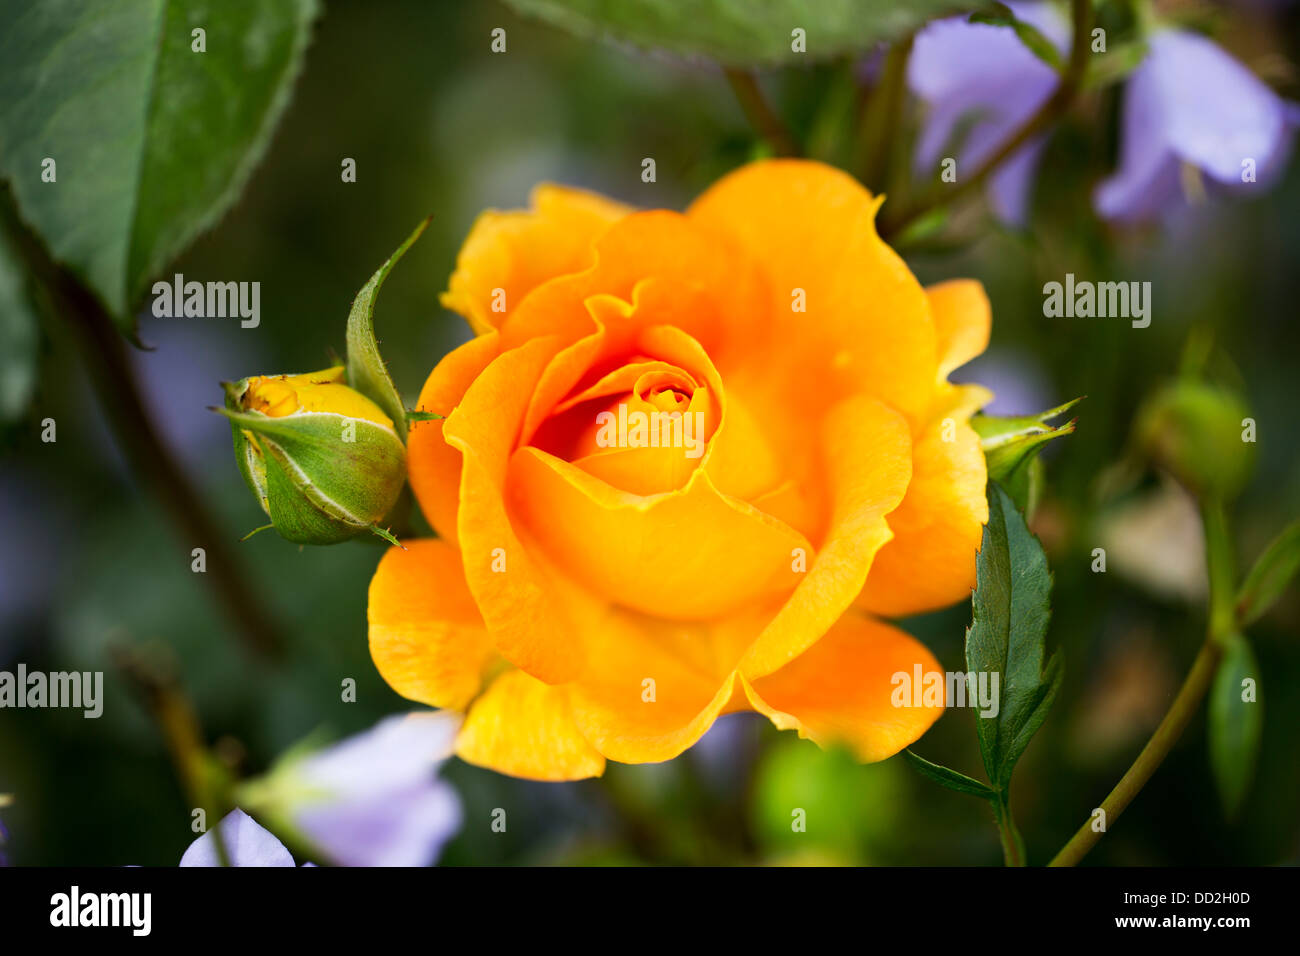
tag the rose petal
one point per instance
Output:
(426, 636)
(963, 319)
(432, 464)
(841, 689)
(517, 250)
(930, 563)
(653, 687)
(523, 727)
(868, 463)
(867, 326)
(519, 601)
(692, 554)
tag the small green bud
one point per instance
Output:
(324, 461)
(1200, 434)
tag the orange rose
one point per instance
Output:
(596, 595)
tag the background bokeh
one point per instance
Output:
(439, 125)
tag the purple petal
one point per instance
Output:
(1148, 168)
(405, 828)
(953, 58)
(247, 844)
(372, 799)
(1216, 112)
(394, 754)
(983, 73)
(1190, 102)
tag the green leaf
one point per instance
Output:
(1007, 636)
(1270, 576)
(367, 372)
(742, 34)
(19, 338)
(1011, 444)
(1114, 65)
(1235, 724)
(1027, 33)
(950, 778)
(151, 141)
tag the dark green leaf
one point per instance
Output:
(1007, 636)
(19, 338)
(151, 141)
(367, 372)
(750, 33)
(949, 778)
(1235, 723)
(1270, 576)
(1010, 444)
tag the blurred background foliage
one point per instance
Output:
(440, 125)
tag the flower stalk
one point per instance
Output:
(1222, 625)
(760, 113)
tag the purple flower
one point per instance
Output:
(246, 842)
(370, 800)
(983, 75)
(1190, 102)
(373, 800)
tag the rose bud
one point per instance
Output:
(324, 461)
(1201, 434)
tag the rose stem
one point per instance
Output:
(104, 355)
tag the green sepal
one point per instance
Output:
(367, 372)
(1012, 444)
(321, 489)
(387, 536)
(413, 416)
(248, 456)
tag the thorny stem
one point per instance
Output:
(760, 113)
(1222, 625)
(104, 355)
(1052, 109)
